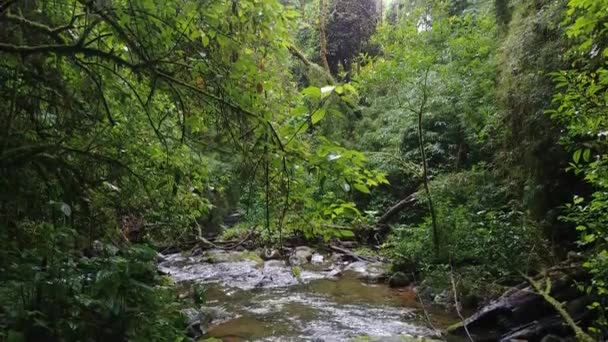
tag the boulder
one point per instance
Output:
(317, 259)
(199, 320)
(369, 272)
(301, 255)
(400, 279)
(270, 254)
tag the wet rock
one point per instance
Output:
(270, 254)
(215, 256)
(304, 253)
(196, 322)
(338, 258)
(160, 258)
(442, 298)
(317, 259)
(368, 272)
(553, 338)
(191, 315)
(199, 320)
(400, 279)
(274, 264)
(214, 314)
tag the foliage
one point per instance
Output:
(582, 104)
(51, 293)
(127, 121)
(524, 139)
(500, 238)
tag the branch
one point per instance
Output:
(51, 31)
(66, 50)
(392, 211)
(299, 55)
(559, 307)
(5, 5)
(457, 303)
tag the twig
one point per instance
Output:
(454, 291)
(426, 314)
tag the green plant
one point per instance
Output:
(49, 292)
(581, 107)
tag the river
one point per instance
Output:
(255, 300)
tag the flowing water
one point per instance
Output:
(265, 301)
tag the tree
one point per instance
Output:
(351, 23)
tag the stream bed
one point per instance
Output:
(255, 300)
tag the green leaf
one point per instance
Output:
(361, 188)
(586, 155)
(577, 156)
(312, 93)
(318, 115)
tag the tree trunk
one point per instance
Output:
(323, 35)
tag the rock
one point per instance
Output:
(317, 259)
(274, 264)
(195, 321)
(368, 272)
(442, 298)
(301, 255)
(160, 258)
(400, 279)
(270, 254)
(304, 252)
(338, 258)
(214, 315)
(552, 338)
(333, 273)
(192, 315)
(295, 261)
(199, 320)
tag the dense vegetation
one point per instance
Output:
(129, 125)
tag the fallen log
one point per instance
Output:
(392, 211)
(352, 254)
(523, 313)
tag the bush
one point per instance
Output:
(478, 226)
(49, 292)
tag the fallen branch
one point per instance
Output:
(559, 307)
(245, 239)
(392, 211)
(299, 55)
(352, 254)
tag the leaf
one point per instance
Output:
(577, 156)
(205, 40)
(327, 90)
(318, 115)
(312, 93)
(586, 155)
(361, 188)
(346, 233)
